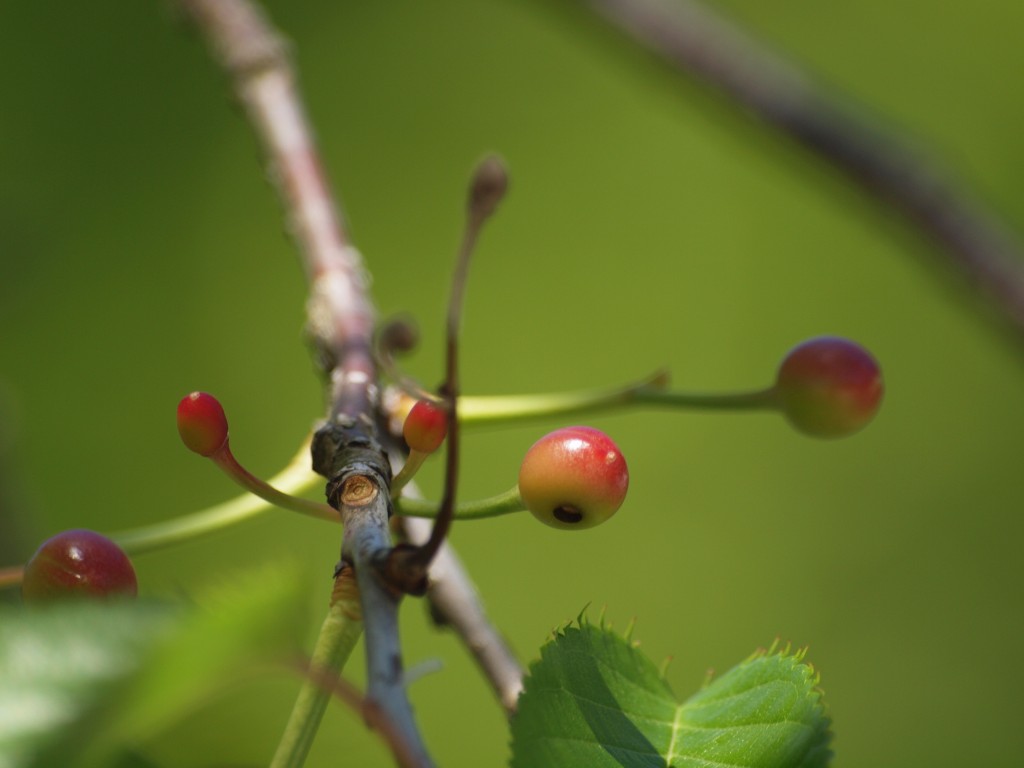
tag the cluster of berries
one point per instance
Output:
(572, 478)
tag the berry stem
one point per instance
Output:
(758, 400)
(493, 506)
(649, 391)
(498, 408)
(295, 477)
(412, 465)
(227, 462)
(339, 633)
(11, 576)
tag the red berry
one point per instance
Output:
(425, 427)
(829, 387)
(201, 423)
(78, 564)
(574, 477)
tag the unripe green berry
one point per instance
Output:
(78, 564)
(829, 387)
(201, 423)
(574, 477)
(425, 427)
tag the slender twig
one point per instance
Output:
(455, 603)
(451, 593)
(490, 181)
(403, 753)
(699, 43)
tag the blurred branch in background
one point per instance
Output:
(698, 43)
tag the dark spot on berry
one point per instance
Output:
(567, 514)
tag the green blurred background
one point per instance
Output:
(142, 256)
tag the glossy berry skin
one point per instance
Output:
(78, 564)
(425, 427)
(574, 477)
(201, 423)
(829, 387)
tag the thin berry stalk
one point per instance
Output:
(412, 465)
(294, 478)
(227, 462)
(338, 636)
(501, 408)
(493, 506)
(758, 400)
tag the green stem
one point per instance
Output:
(294, 478)
(763, 399)
(489, 409)
(227, 462)
(338, 636)
(298, 477)
(502, 504)
(412, 465)
(500, 408)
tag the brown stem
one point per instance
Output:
(455, 603)
(488, 187)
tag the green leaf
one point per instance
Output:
(594, 700)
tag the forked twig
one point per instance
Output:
(408, 564)
(455, 603)
(488, 187)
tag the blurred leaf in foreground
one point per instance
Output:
(87, 684)
(594, 700)
(55, 663)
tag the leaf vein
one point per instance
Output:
(602, 705)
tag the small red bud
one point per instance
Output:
(425, 427)
(201, 423)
